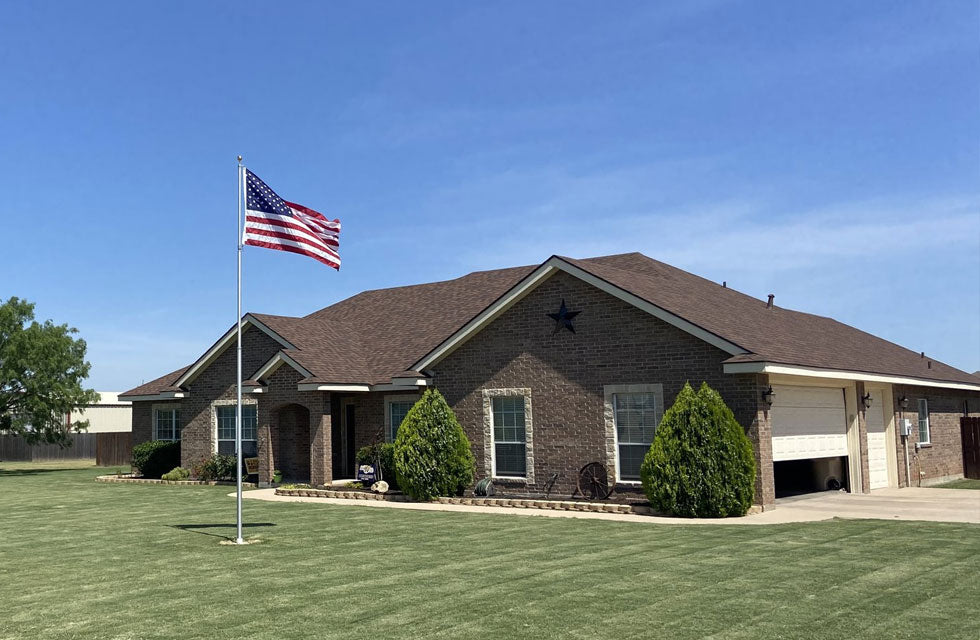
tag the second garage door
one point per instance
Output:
(808, 422)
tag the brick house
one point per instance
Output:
(553, 366)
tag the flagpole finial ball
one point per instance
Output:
(239, 158)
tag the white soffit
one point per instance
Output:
(839, 374)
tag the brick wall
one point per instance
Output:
(942, 459)
(142, 422)
(614, 344)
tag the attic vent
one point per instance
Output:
(929, 364)
(772, 297)
(724, 284)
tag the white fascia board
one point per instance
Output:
(277, 361)
(222, 344)
(407, 382)
(253, 389)
(166, 395)
(399, 387)
(540, 274)
(314, 386)
(790, 370)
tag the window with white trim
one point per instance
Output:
(925, 437)
(397, 410)
(166, 424)
(635, 416)
(509, 437)
(225, 416)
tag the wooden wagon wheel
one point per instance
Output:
(593, 482)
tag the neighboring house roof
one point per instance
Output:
(378, 335)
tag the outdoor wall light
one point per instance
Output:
(866, 400)
(904, 402)
(768, 395)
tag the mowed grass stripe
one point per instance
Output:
(88, 560)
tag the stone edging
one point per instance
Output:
(561, 505)
(346, 495)
(134, 480)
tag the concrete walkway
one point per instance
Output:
(936, 505)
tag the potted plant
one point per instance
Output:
(276, 477)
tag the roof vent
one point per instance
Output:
(772, 297)
(724, 284)
(922, 354)
(929, 364)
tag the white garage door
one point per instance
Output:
(877, 448)
(808, 422)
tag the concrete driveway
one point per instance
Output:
(913, 503)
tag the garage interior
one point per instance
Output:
(811, 475)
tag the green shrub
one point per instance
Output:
(177, 473)
(432, 455)
(217, 467)
(385, 452)
(156, 457)
(701, 463)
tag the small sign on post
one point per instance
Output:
(251, 466)
(366, 474)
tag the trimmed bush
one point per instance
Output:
(385, 452)
(432, 455)
(217, 467)
(156, 457)
(177, 473)
(700, 464)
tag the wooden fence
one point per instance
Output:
(14, 448)
(970, 431)
(108, 449)
(113, 449)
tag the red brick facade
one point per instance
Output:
(305, 433)
(614, 344)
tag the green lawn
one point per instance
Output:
(962, 483)
(80, 559)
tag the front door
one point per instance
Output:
(343, 444)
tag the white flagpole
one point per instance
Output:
(238, 319)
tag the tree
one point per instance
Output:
(700, 464)
(42, 367)
(432, 454)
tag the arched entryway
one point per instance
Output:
(293, 450)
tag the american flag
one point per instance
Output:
(275, 223)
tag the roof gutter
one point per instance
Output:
(794, 370)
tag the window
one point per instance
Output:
(924, 435)
(226, 429)
(397, 410)
(166, 424)
(635, 415)
(509, 437)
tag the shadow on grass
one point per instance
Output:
(28, 472)
(194, 528)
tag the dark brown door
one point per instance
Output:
(970, 431)
(343, 445)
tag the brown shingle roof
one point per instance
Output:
(161, 384)
(374, 335)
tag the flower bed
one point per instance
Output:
(133, 479)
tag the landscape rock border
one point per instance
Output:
(131, 479)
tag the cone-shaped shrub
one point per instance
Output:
(700, 464)
(432, 454)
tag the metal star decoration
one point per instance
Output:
(563, 319)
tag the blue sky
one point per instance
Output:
(825, 152)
